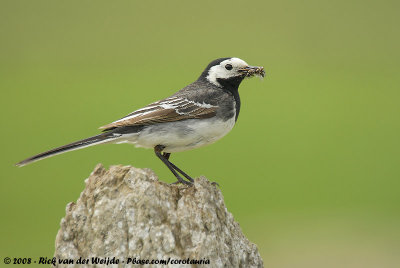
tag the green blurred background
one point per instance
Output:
(311, 171)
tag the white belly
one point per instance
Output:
(182, 135)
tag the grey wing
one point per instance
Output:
(167, 110)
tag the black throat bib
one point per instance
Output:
(232, 86)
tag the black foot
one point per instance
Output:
(183, 173)
(174, 169)
(188, 183)
(215, 183)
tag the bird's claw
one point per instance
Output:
(215, 183)
(188, 183)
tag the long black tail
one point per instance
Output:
(98, 139)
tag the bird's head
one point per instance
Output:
(230, 72)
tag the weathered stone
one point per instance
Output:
(126, 212)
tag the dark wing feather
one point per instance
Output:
(168, 110)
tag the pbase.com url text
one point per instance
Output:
(167, 261)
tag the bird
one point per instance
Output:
(197, 115)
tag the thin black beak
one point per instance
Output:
(253, 70)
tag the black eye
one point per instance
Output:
(228, 67)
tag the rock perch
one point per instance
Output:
(125, 212)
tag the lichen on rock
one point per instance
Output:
(126, 212)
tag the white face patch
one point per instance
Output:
(220, 71)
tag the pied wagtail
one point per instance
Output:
(197, 115)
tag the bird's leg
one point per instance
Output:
(167, 155)
(157, 150)
(183, 173)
